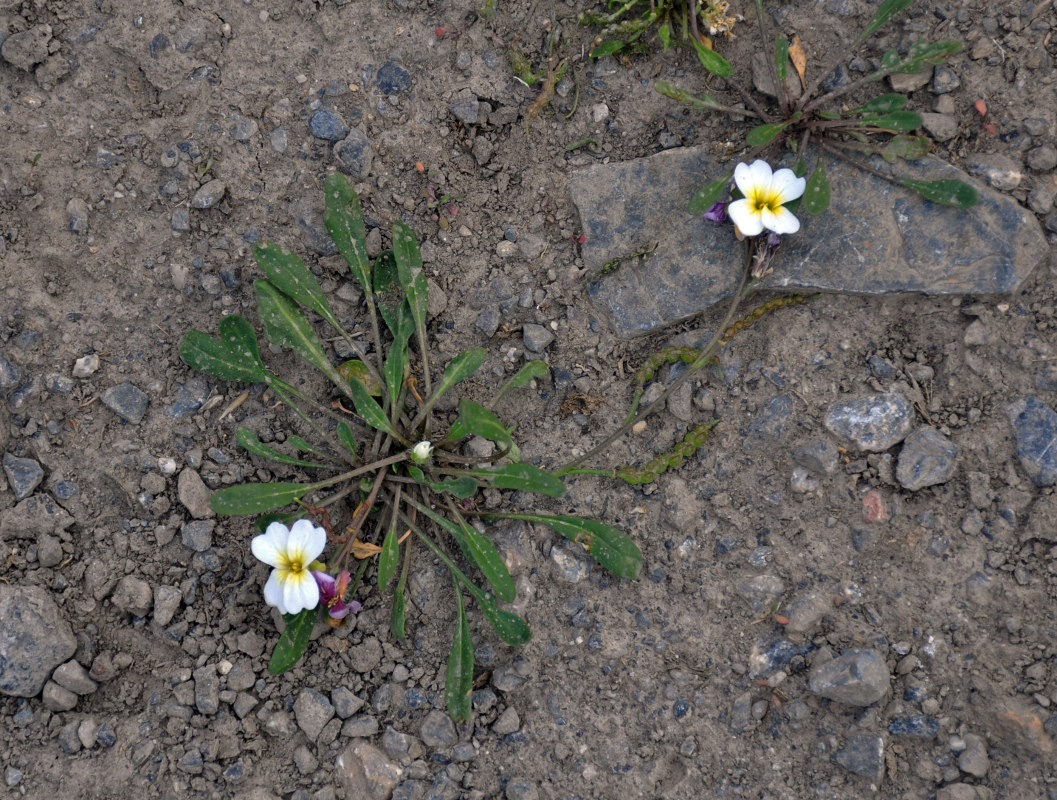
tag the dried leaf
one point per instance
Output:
(364, 549)
(798, 56)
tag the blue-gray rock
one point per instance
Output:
(927, 458)
(393, 79)
(34, 639)
(863, 754)
(1035, 431)
(999, 170)
(355, 154)
(313, 711)
(207, 689)
(520, 788)
(974, 759)
(24, 475)
(437, 730)
(855, 678)
(197, 535)
(875, 238)
(762, 591)
(244, 129)
(488, 321)
(127, 401)
(9, 377)
(345, 702)
(944, 80)
(536, 337)
(872, 423)
(209, 194)
(188, 399)
(466, 111)
(770, 421)
(328, 126)
(922, 726)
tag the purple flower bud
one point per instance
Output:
(718, 212)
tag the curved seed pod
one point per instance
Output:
(659, 465)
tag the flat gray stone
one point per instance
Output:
(127, 401)
(875, 238)
(34, 639)
(927, 458)
(1035, 431)
(855, 678)
(872, 423)
(863, 754)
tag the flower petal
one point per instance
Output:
(307, 541)
(756, 177)
(273, 591)
(781, 221)
(744, 218)
(270, 546)
(787, 185)
(300, 592)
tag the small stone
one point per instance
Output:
(1035, 431)
(328, 126)
(762, 591)
(127, 401)
(519, 788)
(35, 640)
(536, 337)
(944, 80)
(973, 758)
(466, 110)
(77, 216)
(359, 726)
(902, 82)
(855, 678)
(345, 702)
(58, 699)
(86, 732)
(75, 678)
(313, 711)
(133, 596)
(209, 194)
(927, 458)
(197, 535)
(920, 726)
(941, 127)
(1040, 199)
(194, 495)
(354, 154)
(873, 423)
(167, 601)
(305, 762)
(23, 474)
(571, 567)
(437, 730)
(508, 722)
(821, 456)
(28, 48)
(806, 611)
(482, 150)
(393, 79)
(364, 772)
(244, 129)
(69, 740)
(49, 551)
(1042, 159)
(85, 366)
(863, 754)
(190, 396)
(999, 170)
(207, 689)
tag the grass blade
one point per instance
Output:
(882, 105)
(781, 57)
(764, 134)
(704, 103)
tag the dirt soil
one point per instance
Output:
(117, 117)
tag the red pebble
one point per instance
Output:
(981, 107)
(873, 507)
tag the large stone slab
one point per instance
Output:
(876, 238)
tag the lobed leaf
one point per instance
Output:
(409, 272)
(458, 680)
(461, 487)
(293, 641)
(708, 195)
(712, 61)
(954, 193)
(816, 194)
(390, 297)
(256, 498)
(232, 357)
(249, 442)
(511, 628)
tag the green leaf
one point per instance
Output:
(461, 487)
(395, 367)
(356, 370)
(346, 437)
(816, 195)
(388, 558)
(459, 369)
(945, 192)
(882, 105)
(908, 147)
(389, 295)
(458, 680)
(525, 477)
(707, 196)
(286, 326)
(398, 615)
(344, 220)
(511, 628)
(781, 57)
(895, 121)
(249, 442)
(711, 60)
(409, 271)
(288, 273)
(477, 419)
(293, 641)
(920, 54)
(609, 546)
(234, 357)
(704, 103)
(256, 498)
(606, 49)
(665, 34)
(763, 134)
(887, 10)
(368, 408)
(523, 377)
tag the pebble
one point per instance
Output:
(244, 129)
(393, 79)
(928, 458)
(36, 639)
(189, 397)
(209, 194)
(872, 423)
(1043, 158)
(920, 726)
(86, 365)
(903, 82)
(770, 421)
(77, 216)
(194, 496)
(944, 80)
(313, 710)
(521, 789)
(1035, 430)
(363, 771)
(466, 110)
(58, 699)
(359, 726)
(762, 591)
(23, 474)
(507, 723)
(536, 337)
(821, 456)
(855, 678)
(974, 759)
(571, 567)
(206, 689)
(941, 127)
(328, 125)
(9, 377)
(806, 611)
(49, 551)
(345, 702)
(74, 677)
(1040, 199)
(863, 754)
(133, 596)
(999, 170)
(354, 154)
(27, 48)
(127, 401)
(167, 601)
(437, 730)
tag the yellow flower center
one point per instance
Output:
(761, 198)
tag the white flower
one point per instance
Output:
(421, 452)
(290, 551)
(765, 195)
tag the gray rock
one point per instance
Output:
(9, 377)
(973, 758)
(24, 475)
(73, 677)
(488, 321)
(86, 366)
(34, 639)
(999, 170)
(364, 772)
(821, 456)
(855, 678)
(762, 591)
(49, 551)
(58, 699)
(863, 754)
(127, 401)
(328, 125)
(519, 788)
(875, 238)
(921, 726)
(354, 154)
(28, 48)
(1042, 158)
(359, 726)
(806, 611)
(167, 601)
(1040, 199)
(312, 710)
(536, 337)
(508, 722)
(197, 535)
(927, 458)
(194, 494)
(437, 730)
(207, 689)
(190, 396)
(1035, 431)
(77, 216)
(209, 194)
(345, 702)
(466, 110)
(944, 80)
(941, 127)
(393, 79)
(872, 423)
(903, 82)
(133, 596)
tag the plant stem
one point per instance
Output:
(750, 101)
(707, 353)
(843, 90)
(357, 522)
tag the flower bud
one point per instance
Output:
(421, 452)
